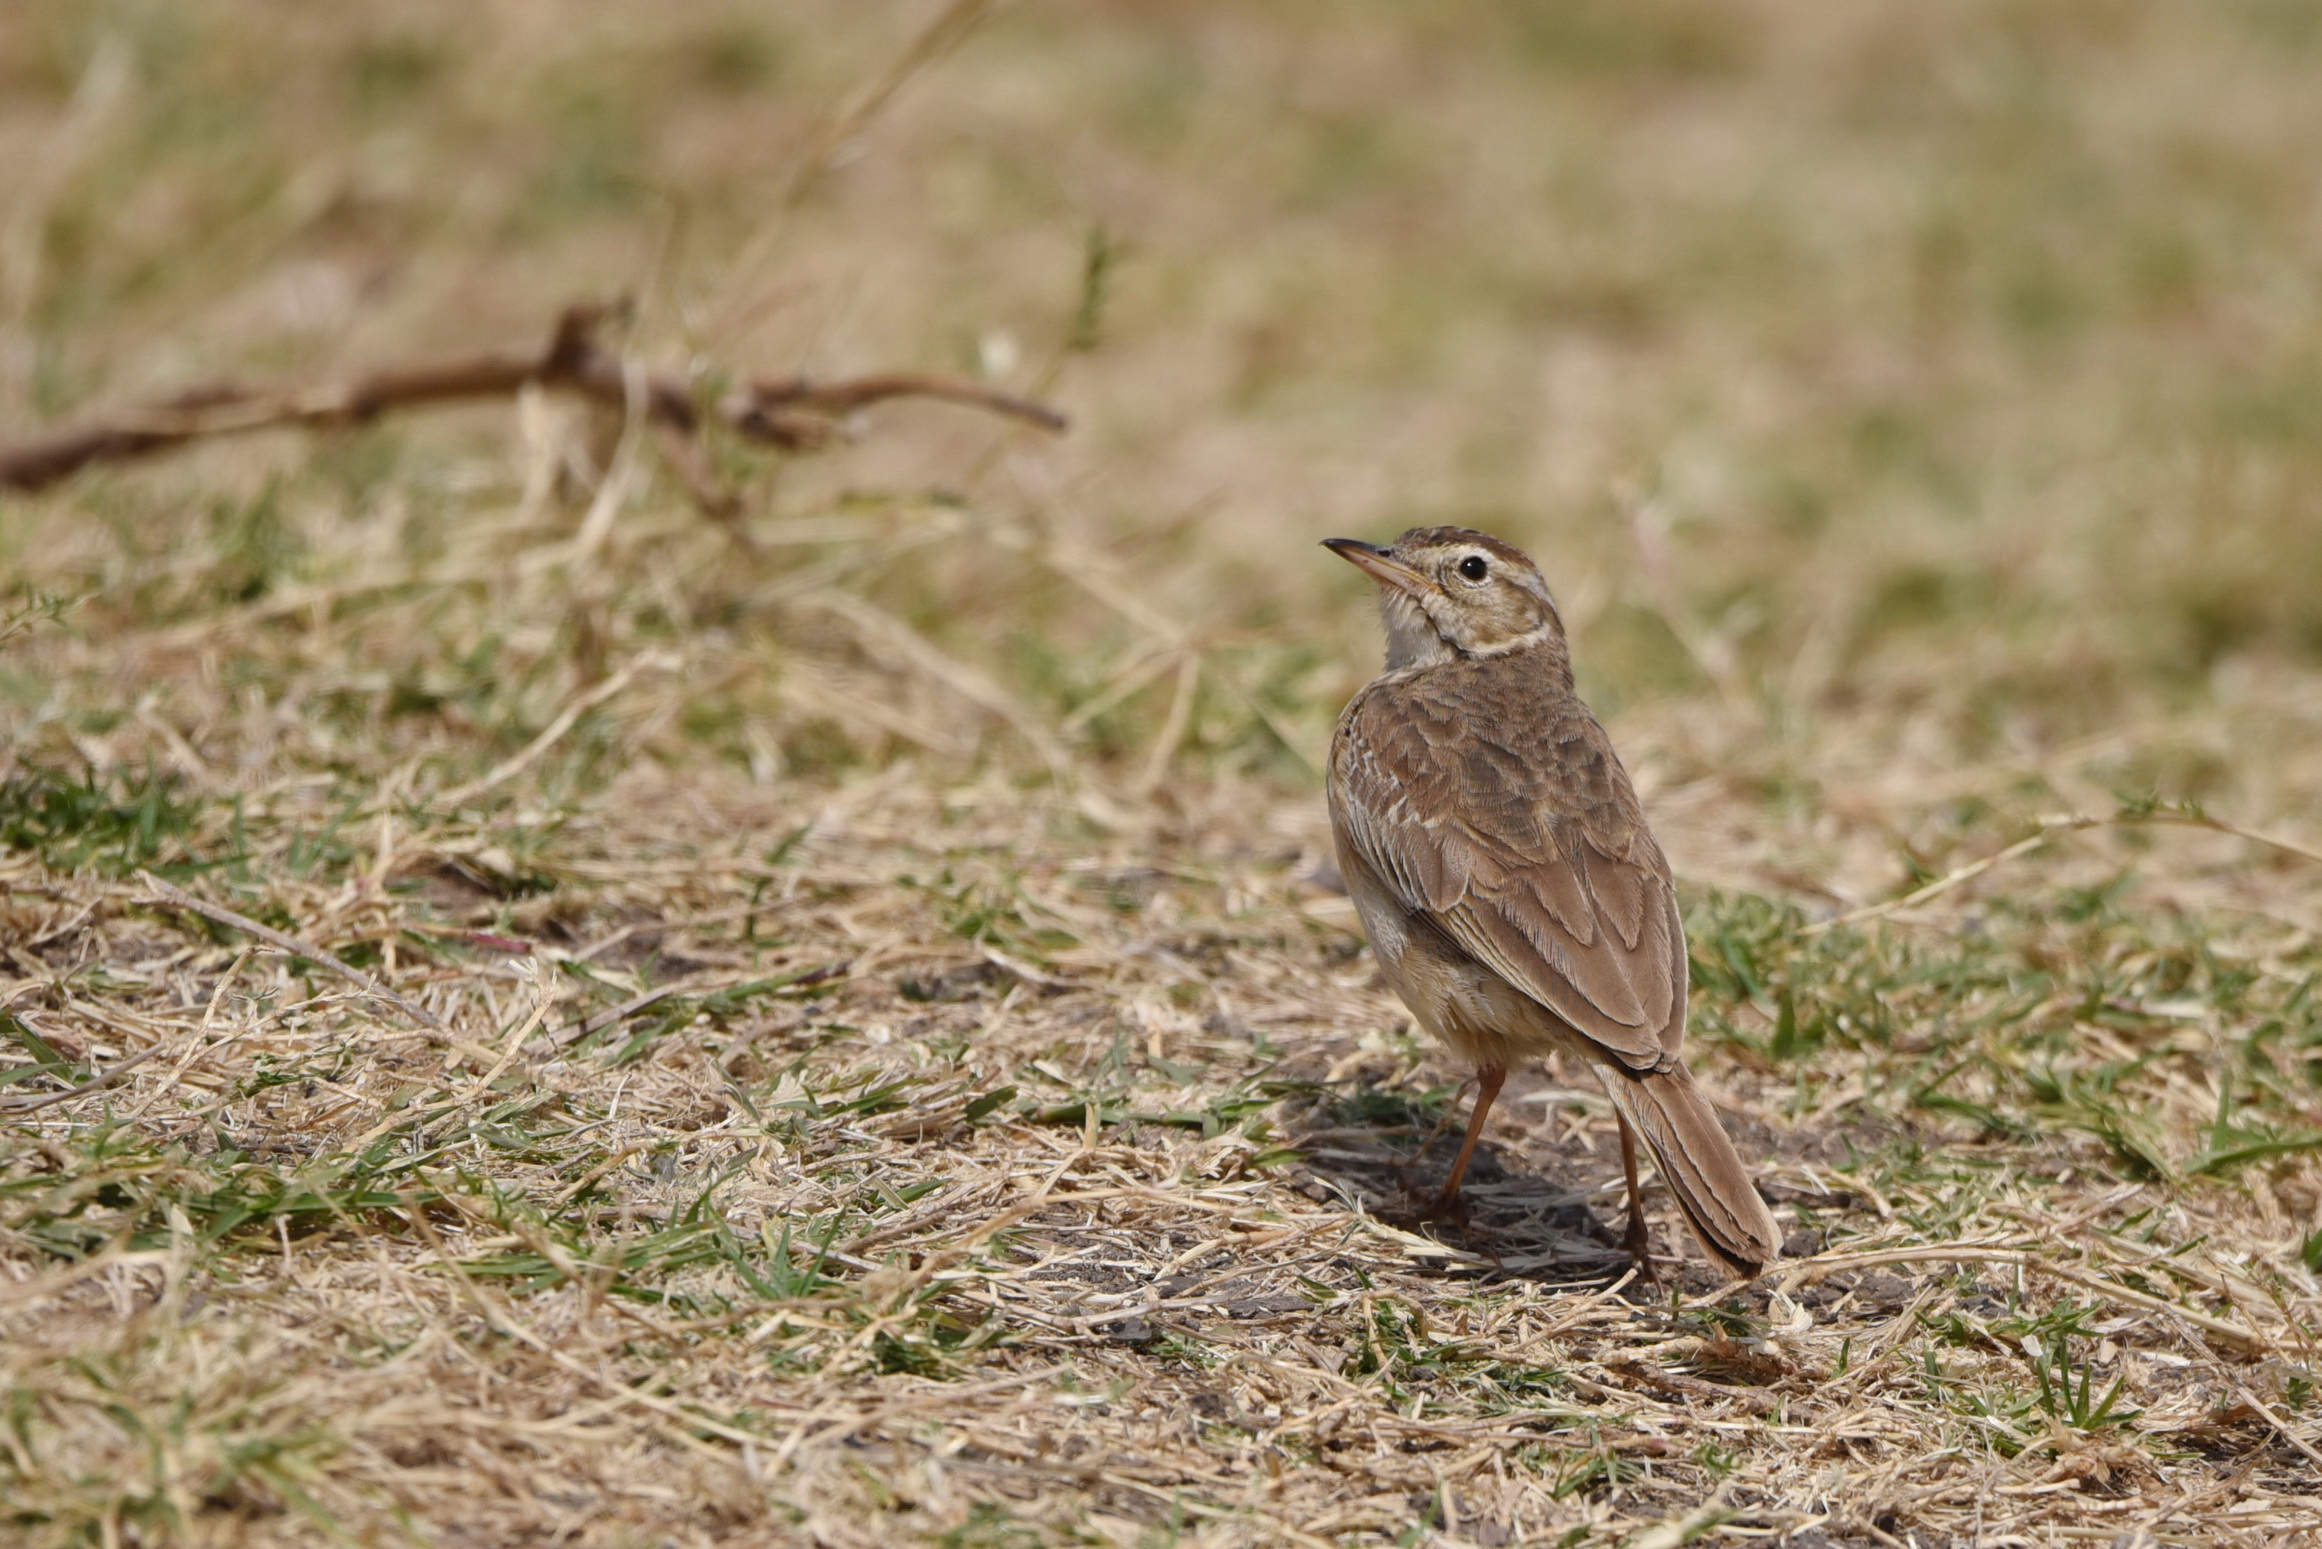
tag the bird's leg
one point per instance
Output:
(1487, 1087)
(1637, 1239)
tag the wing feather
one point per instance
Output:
(1523, 839)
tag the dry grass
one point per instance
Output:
(841, 1032)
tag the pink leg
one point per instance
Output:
(1637, 1240)
(1488, 1079)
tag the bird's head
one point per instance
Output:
(1452, 592)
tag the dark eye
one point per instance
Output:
(1473, 567)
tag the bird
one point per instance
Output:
(1513, 893)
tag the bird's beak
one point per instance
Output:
(1379, 564)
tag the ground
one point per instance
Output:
(536, 1014)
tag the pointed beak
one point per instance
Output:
(1379, 564)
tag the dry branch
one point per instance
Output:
(789, 413)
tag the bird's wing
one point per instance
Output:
(1522, 838)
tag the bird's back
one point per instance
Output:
(1513, 750)
(1487, 800)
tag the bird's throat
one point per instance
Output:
(1412, 640)
(1416, 640)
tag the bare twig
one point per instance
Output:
(172, 894)
(789, 413)
(772, 395)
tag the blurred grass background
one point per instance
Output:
(1947, 376)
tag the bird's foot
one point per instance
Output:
(1637, 1243)
(1447, 1205)
(1434, 1205)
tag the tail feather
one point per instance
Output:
(1703, 1171)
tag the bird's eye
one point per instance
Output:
(1473, 567)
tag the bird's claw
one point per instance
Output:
(1435, 1205)
(1637, 1243)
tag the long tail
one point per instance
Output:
(1713, 1188)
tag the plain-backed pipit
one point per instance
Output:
(1503, 868)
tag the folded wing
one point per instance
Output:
(1534, 858)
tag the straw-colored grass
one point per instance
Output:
(528, 1015)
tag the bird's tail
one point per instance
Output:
(1713, 1188)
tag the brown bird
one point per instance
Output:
(1502, 866)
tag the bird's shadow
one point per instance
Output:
(1531, 1219)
